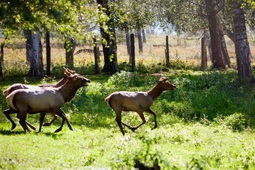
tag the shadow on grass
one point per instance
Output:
(9, 132)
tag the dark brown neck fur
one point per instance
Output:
(155, 92)
(68, 90)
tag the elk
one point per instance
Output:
(137, 101)
(25, 86)
(32, 101)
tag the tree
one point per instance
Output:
(217, 55)
(41, 16)
(242, 48)
(34, 53)
(108, 34)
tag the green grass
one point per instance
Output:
(206, 123)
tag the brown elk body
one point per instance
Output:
(50, 100)
(137, 101)
(17, 86)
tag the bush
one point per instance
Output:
(236, 121)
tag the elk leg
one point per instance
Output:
(155, 118)
(30, 125)
(49, 123)
(143, 119)
(42, 116)
(7, 113)
(22, 120)
(118, 120)
(67, 121)
(62, 114)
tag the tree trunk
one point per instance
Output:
(217, 57)
(69, 47)
(224, 49)
(34, 54)
(48, 53)
(96, 56)
(110, 47)
(128, 44)
(140, 40)
(144, 36)
(203, 54)
(242, 48)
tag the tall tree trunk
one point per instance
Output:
(110, 47)
(140, 40)
(242, 48)
(69, 46)
(96, 55)
(34, 53)
(128, 43)
(224, 49)
(144, 36)
(203, 54)
(48, 52)
(217, 57)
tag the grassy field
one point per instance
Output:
(206, 123)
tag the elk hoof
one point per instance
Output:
(133, 129)
(13, 126)
(46, 124)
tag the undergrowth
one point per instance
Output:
(197, 124)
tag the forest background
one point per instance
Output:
(208, 122)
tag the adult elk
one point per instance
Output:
(137, 101)
(17, 86)
(50, 100)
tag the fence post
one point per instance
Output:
(167, 52)
(132, 51)
(48, 53)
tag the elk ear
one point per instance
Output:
(162, 79)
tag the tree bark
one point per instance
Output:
(242, 48)
(203, 54)
(110, 47)
(34, 53)
(96, 56)
(144, 36)
(224, 50)
(140, 40)
(217, 57)
(128, 44)
(69, 46)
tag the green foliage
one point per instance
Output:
(235, 121)
(208, 119)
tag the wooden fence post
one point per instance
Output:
(132, 51)
(48, 52)
(167, 52)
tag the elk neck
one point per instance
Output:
(68, 90)
(155, 92)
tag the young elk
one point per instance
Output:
(43, 86)
(137, 101)
(50, 100)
